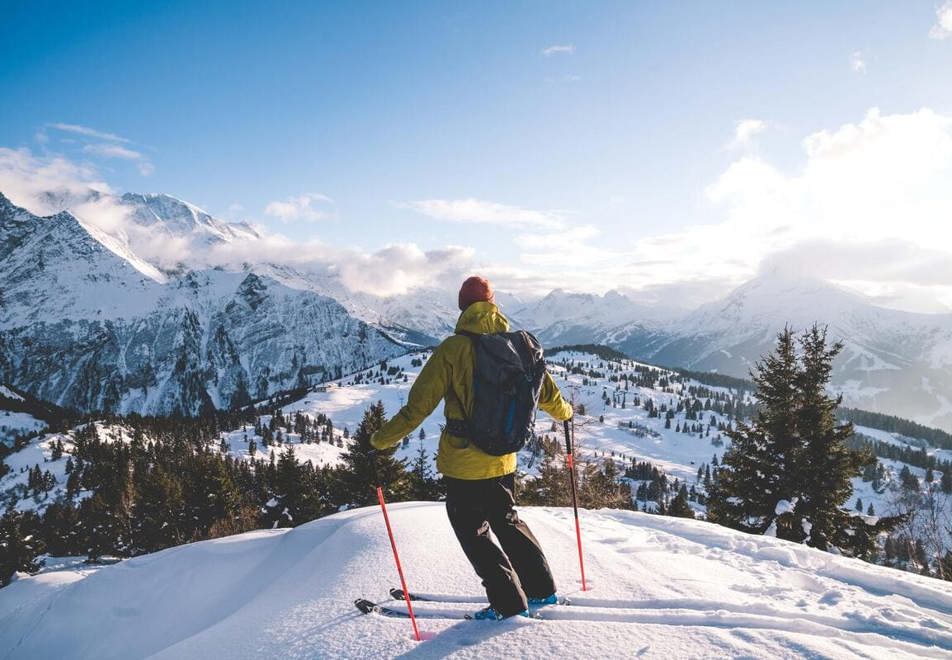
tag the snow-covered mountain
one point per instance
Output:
(174, 218)
(87, 324)
(661, 588)
(894, 362)
(88, 284)
(563, 317)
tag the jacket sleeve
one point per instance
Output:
(429, 387)
(551, 401)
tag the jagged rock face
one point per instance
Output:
(84, 328)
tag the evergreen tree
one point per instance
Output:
(364, 468)
(680, 506)
(754, 476)
(829, 462)
(424, 485)
(945, 483)
(795, 451)
(551, 487)
(296, 497)
(159, 511)
(20, 544)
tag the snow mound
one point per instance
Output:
(661, 587)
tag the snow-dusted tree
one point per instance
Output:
(20, 544)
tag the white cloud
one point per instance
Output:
(302, 207)
(86, 131)
(882, 180)
(112, 151)
(858, 61)
(397, 269)
(943, 22)
(481, 211)
(559, 49)
(868, 205)
(745, 130)
(47, 185)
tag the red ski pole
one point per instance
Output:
(570, 460)
(396, 558)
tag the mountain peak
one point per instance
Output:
(182, 219)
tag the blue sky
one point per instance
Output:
(563, 143)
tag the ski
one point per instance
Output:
(397, 594)
(369, 607)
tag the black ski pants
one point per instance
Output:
(516, 571)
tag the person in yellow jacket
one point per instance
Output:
(479, 486)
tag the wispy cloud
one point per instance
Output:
(472, 210)
(88, 132)
(943, 22)
(107, 150)
(744, 132)
(301, 207)
(858, 61)
(110, 145)
(110, 150)
(559, 49)
(49, 184)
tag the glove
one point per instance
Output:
(375, 442)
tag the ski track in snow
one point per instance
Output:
(661, 587)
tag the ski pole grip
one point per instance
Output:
(568, 437)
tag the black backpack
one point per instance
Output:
(508, 369)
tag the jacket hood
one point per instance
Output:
(482, 318)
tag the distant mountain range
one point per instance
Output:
(91, 319)
(893, 362)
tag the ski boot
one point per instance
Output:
(489, 614)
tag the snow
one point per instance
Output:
(10, 394)
(785, 506)
(661, 588)
(14, 424)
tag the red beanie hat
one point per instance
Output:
(475, 289)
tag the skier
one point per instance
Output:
(480, 486)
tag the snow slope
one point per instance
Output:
(669, 587)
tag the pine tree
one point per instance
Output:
(829, 463)
(296, 497)
(795, 451)
(680, 506)
(551, 487)
(20, 544)
(159, 511)
(754, 476)
(945, 483)
(423, 485)
(364, 468)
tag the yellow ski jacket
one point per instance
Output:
(448, 375)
